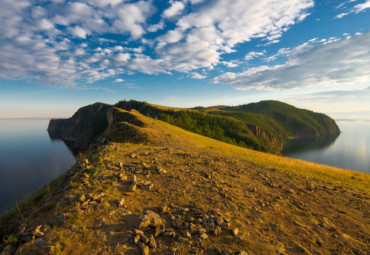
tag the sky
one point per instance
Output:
(58, 55)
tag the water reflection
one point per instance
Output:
(308, 144)
(350, 150)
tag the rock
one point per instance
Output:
(39, 234)
(133, 187)
(226, 252)
(144, 249)
(144, 238)
(147, 187)
(202, 231)
(62, 217)
(159, 230)
(217, 231)
(235, 231)
(81, 198)
(163, 208)
(152, 242)
(120, 202)
(204, 236)
(219, 221)
(122, 177)
(137, 239)
(186, 234)
(49, 249)
(151, 219)
(134, 179)
(36, 230)
(242, 252)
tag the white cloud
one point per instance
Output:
(42, 42)
(363, 6)
(156, 27)
(175, 9)
(123, 57)
(340, 62)
(78, 32)
(254, 54)
(118, 80)
(355, 9)
(197, 76)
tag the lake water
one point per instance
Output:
(350, 150)
(28, 159)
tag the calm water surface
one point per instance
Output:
(351, 150)
(28, 159)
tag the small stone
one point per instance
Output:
(134, 179)
(163, 208)
(62, 217)
(120, 202)
(217, 230)
(186, 234)
(133, 187)
(242, 252)
(81, 198)
(219, 221)
(202, 231)
(39, 234)
(122, 177)
(137, 239)
(152, 242)
(235, 231)
(227, 252)
(144, 238)
(144, 249)
(49, 249)
(204, 236)
(159, 230)
(147, 187)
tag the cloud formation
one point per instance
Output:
(355, 9)
(338, 62)
(65, 43)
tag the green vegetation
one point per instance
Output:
(264, 126)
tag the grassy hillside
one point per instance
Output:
(264, 126)
(158, 189)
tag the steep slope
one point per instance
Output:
(82, 128)
(158, 189)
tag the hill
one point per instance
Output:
(148, 187)
(265, 126)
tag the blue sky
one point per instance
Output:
(56, 56)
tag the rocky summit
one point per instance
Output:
(144, 186)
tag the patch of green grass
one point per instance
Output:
(11, 239)
(73, 217)
(74, 185)
(49, 206)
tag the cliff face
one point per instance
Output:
(82, 128)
